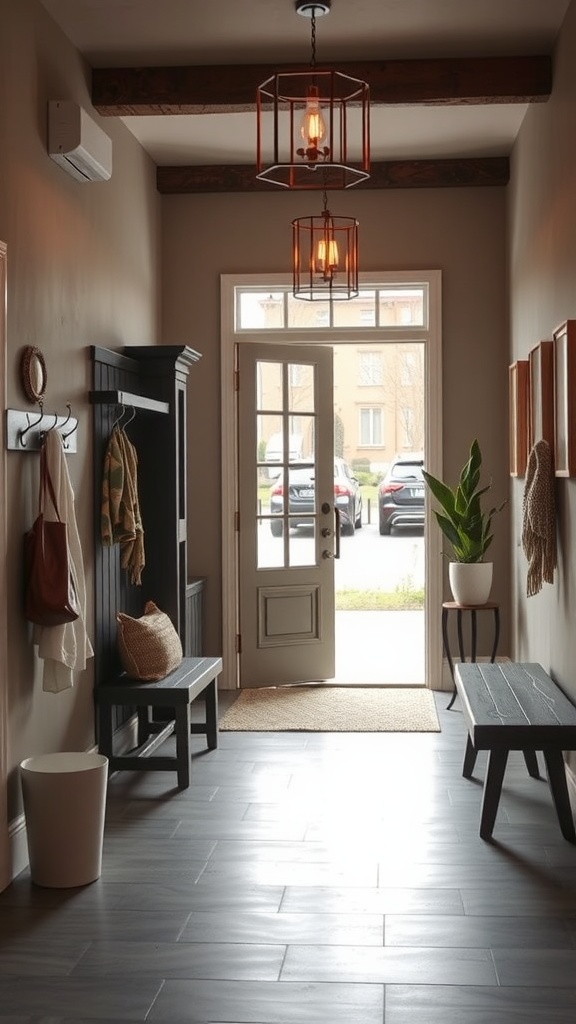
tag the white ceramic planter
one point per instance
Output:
(471, 582)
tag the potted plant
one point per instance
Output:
(468, 529)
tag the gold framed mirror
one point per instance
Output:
(33, 374)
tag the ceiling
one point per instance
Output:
(464, 125)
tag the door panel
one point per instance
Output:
(286, 524)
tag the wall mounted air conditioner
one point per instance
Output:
(77, 143)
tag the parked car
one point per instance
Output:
(301, 498)
(401, 494)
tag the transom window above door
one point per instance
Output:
(400, 307)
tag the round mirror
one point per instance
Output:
(34, 376)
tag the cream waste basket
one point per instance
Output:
(64, 806)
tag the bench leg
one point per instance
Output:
(469, 759)
(105, 730)
(531, 763)
(492, 788)
(143, 724)
(182, 730)
(557, 779)
(212, 715)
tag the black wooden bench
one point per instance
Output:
(509, 706)
(195, 676)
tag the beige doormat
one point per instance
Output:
(332, 709)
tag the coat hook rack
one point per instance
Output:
(24, 434)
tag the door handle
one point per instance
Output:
(337, 533)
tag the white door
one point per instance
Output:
(288, 530)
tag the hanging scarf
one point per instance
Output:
(121, 522)
(539, 518)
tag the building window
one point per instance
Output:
(370, 369)
(371, 428)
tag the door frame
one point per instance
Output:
(229, 478)
(5, 865)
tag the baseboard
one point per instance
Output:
(18, 845)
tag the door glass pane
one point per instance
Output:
(269, 544)
(302, 543)
(302, 440)
(269, 446)
(268, 385)
(300, 387)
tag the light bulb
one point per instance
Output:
(313, 127)
(326, 259)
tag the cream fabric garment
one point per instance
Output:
(65, 648)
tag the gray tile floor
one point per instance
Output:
(306, 878)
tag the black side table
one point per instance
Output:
(472, 609)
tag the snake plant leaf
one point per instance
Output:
(461, 518)
(444, 496)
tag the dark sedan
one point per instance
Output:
(301, 498)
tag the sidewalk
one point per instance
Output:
(380, 648)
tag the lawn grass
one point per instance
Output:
(402, 599)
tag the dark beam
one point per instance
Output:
(392, 174)
(213, 89)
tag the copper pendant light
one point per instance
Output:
(313, 120)
(325, 256)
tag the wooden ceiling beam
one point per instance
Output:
(392, 174)
(215, 88)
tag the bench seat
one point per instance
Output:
(516, 706)
(176, 691)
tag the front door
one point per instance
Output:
(288, 529)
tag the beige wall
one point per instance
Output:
(460, 231)
(82, 270)
(542, 230)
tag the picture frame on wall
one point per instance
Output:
(541, 391)
(518, 378)
(564, 398)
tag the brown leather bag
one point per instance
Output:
(50, 595)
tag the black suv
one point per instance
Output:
(401, 494)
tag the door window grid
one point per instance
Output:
(285, 463)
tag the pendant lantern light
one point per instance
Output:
(325, 256)
(311, 121)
